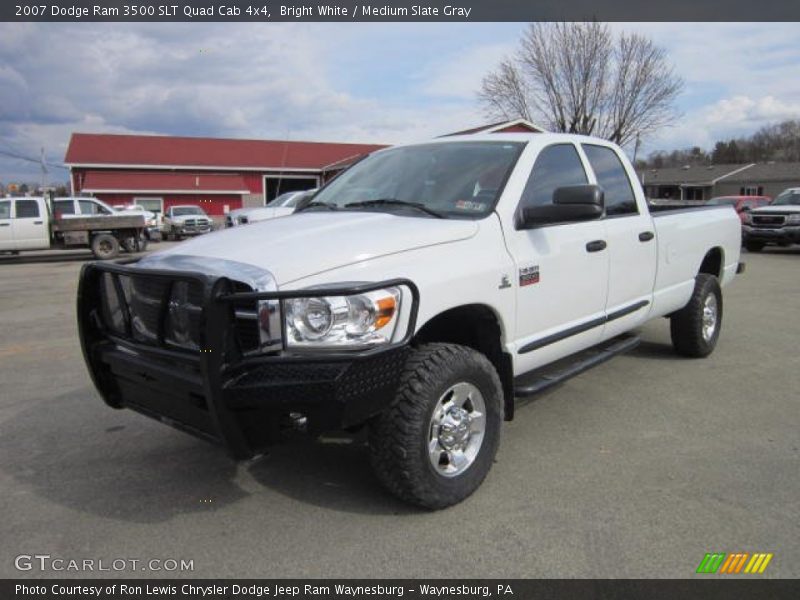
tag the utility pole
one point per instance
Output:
(636, 148)
(44, 170)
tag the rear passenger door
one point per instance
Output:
(632, 247)
(30, 231)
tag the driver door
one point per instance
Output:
(562, 270)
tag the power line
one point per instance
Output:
(33, 160)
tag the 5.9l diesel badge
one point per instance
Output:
(528, 275)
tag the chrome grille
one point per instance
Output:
(768, 221)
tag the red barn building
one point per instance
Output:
(217, 174)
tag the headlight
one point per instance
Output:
(358, 320)
(747, 218)
(793, 219)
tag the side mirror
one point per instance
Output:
(747, 208)
(571, 204)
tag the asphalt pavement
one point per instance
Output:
(636, 468)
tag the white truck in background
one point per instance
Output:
(280, 206)
(186, 220)
(31, 224)
(420, 294)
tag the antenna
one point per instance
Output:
(283, 165)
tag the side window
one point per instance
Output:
(26, 209)
(89, 208)
(556, 166)
(613, 179)
(64, 207)
(5, 209)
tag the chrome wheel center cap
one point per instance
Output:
(454, 431)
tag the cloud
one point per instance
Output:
(241, 80)
(368, 82)
(738, 77)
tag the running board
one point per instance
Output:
(539, 380)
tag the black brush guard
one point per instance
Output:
(218, 392)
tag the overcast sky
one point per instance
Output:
(361, 82)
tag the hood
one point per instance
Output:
(786, 208)
(309, 243)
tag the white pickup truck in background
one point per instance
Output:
(185, 221)
(280, 206)
(31, 224)
(419, 294)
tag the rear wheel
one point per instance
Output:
(437, 441)
(105, 246)
(754, 246)
(130, 244)
(695, 328)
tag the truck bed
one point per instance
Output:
(98, 223)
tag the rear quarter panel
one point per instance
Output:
(684, 238)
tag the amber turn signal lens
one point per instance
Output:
(386, 308)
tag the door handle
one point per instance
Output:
(596, 246)
(646, 236)
(37, 222)
(5, 224)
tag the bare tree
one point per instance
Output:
(579, 78)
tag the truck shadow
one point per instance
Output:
(655, 351)
(789, 250)
(332, 473)
(52, 257)
(73, 452)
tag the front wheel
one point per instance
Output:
(695, 328)
(437, 441)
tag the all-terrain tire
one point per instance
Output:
(399, 437)
(688, 326)
(105, 246)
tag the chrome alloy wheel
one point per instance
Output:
(457, 428)
(710, 317)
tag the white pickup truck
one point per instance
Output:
(32, 224)
(420, 294)
(281, 206)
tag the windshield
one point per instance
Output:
(452, 179)
(788, 199)
(722, 202)
(180, 211)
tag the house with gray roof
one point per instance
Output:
(702, 182)
(762, 179)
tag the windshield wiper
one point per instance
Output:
(395, 202)
(317, 204)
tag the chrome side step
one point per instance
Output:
(539, 380)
